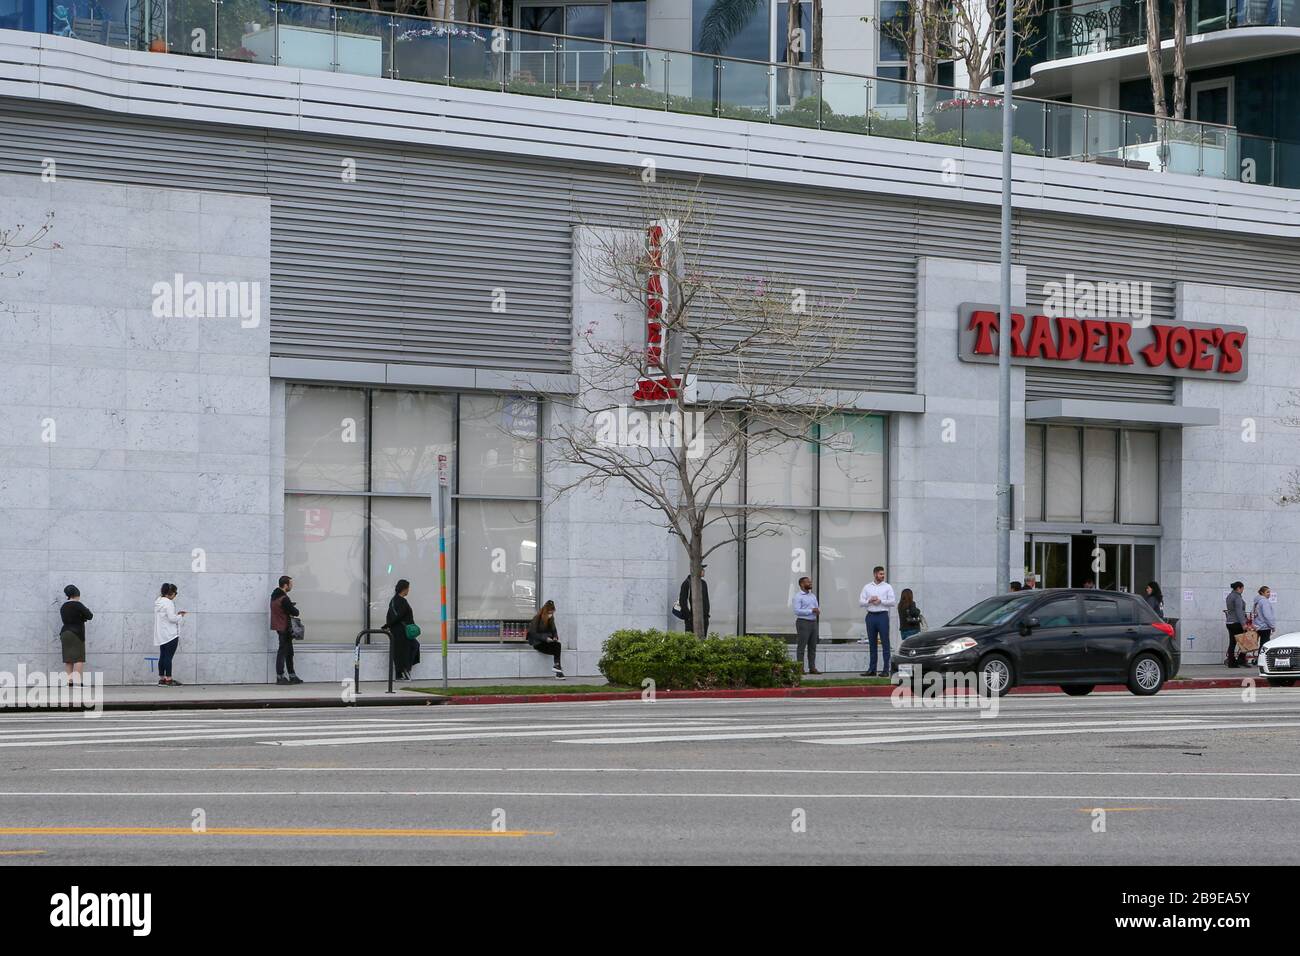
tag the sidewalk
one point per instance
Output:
(374, 693)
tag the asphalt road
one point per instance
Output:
(1184, 777)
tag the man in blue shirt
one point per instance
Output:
(806, 613)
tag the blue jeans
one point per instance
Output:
(878, 626)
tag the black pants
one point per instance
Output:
(284, 656)
(1233, 631)
(165, 654)
(548, 647)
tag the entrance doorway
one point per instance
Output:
(1110, 562)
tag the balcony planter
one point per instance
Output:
(983, 112)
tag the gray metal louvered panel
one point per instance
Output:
(1076, 383)
(399, 265)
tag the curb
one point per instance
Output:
(246, 703)
(869, 690)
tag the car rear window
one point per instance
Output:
(1109, 610)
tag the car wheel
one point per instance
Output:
(1281, 682)
(996, 676)
(1146, 675)
(1077, 690)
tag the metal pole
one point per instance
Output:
(1004, 322)
(442, 555)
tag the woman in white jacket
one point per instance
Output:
(166, 633)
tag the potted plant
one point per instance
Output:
(157, 45)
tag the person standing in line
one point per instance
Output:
(282, 609)
(1235, 612)
(1015, 586)
(1155, 599)
(807, 613)
(684, 602)
(877, 597)
(399, 616)
(167, 633)
(544, 637)
(1264, 616)
(909, 615)
(73, 616)
(1031, 582)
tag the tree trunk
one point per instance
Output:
(1154, 68)
(697, 590)
(1180, 66)
(498, 13)
(817, 59)
(792, 49)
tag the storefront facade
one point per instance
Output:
(429, 307)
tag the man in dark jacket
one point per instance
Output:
(684, 601)
(281, 610)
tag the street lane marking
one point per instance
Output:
(21, 852)
(264, 831)
(974, 735)
(722, 770)
(551, 794)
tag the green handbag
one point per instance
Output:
(412, 631)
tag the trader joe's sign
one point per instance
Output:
(1189, 349)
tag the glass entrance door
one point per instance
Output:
(1047, 558)
(1126, 563)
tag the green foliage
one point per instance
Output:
(677, 661)
(623, 74)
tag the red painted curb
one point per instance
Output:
(860, 690)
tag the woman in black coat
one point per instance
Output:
(544, 637)
(400, 615)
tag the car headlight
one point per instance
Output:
(957, 646)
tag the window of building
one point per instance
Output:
(815, 507)
(891, 52)
(361, 472)
(1092, 476)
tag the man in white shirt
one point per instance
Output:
(877, 597)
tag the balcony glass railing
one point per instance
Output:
(372, 43)
(1102, 25)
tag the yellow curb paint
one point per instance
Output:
(263, 831)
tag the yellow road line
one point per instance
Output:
(264, 831)
(21, 852)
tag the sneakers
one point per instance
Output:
(863, 640)
(559, 674)
(163, 682)
(867, 674)
(813, 670)
(293, 679)
(281, 679)
(174, 682)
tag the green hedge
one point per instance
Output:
(677, 661)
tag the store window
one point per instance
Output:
(1092, 476)
(361, 470)
(814, 506)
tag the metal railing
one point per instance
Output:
(310, 35)
(356, 659)
(1102, 25)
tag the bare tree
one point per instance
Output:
(19, 243)
(764, 343)
(977, 36)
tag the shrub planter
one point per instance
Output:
(677, 661)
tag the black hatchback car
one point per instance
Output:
(1075, 637)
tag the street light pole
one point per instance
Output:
(1004, 323)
